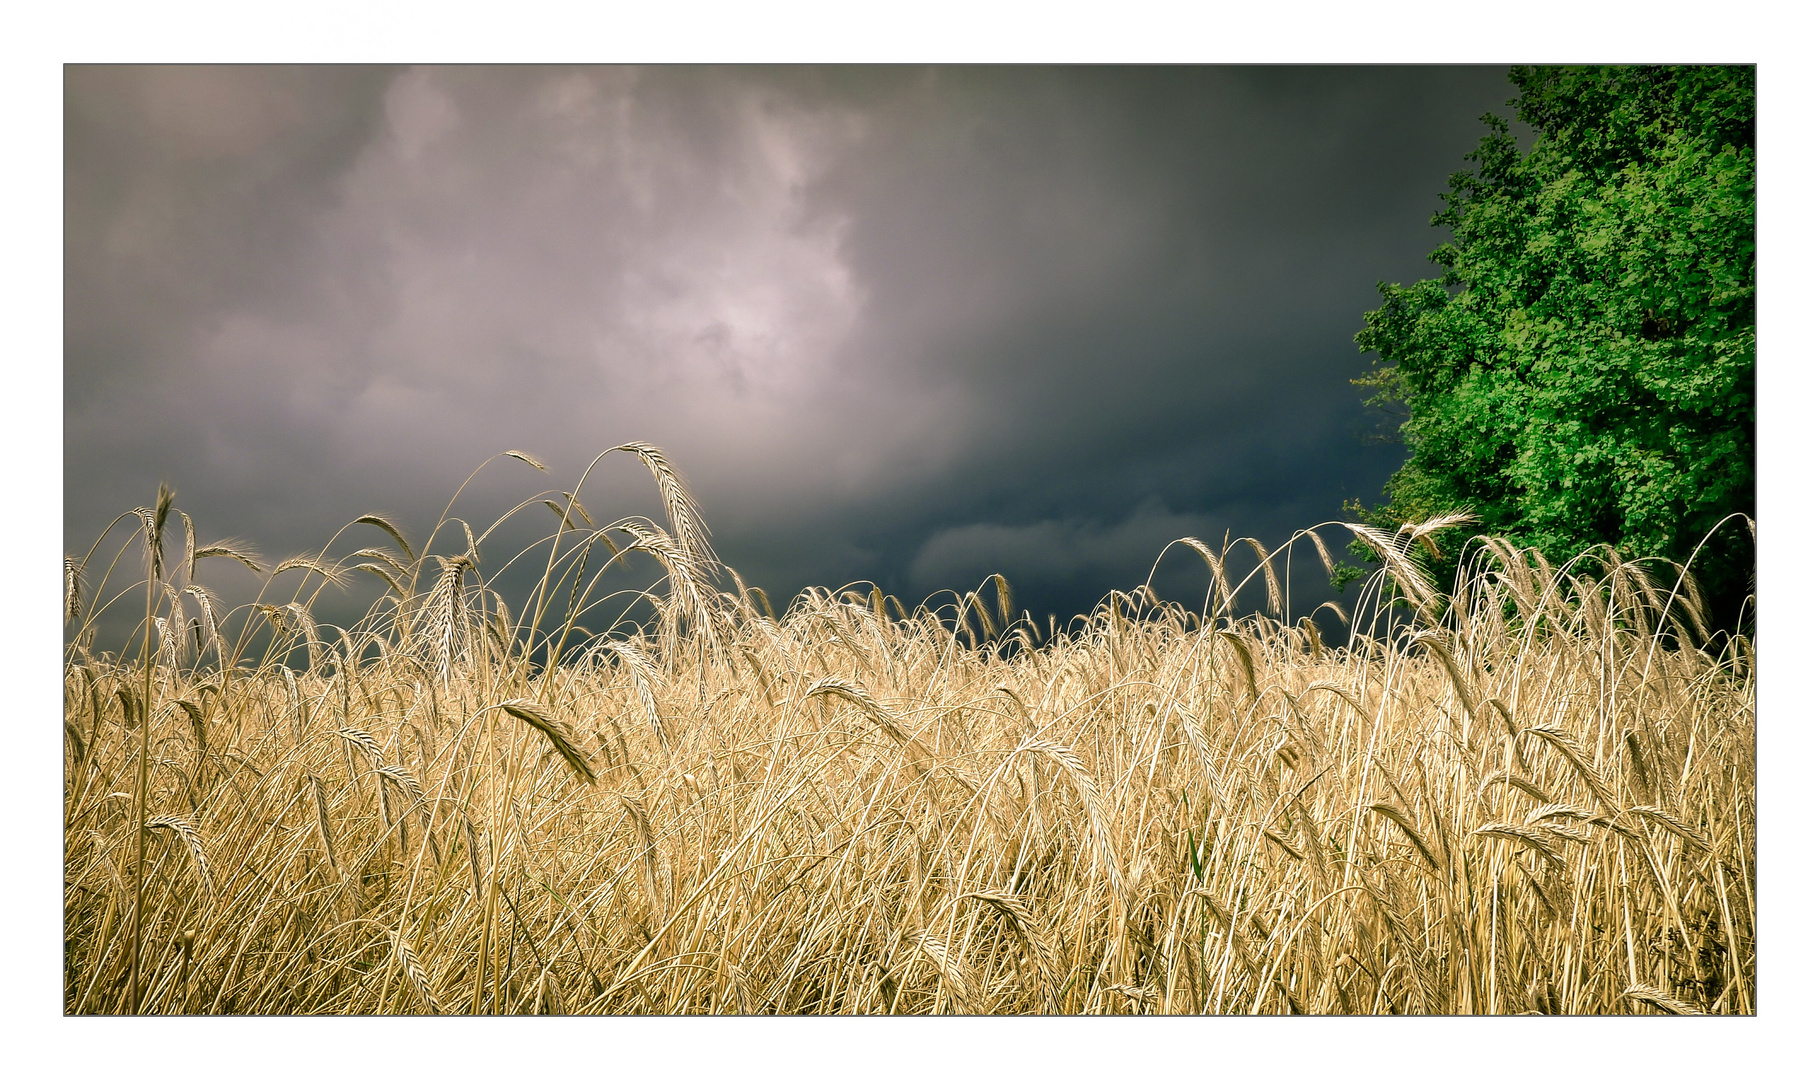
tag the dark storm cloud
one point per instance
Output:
(899, 324)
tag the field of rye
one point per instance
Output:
(1528, 793)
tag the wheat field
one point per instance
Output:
(1529, 791)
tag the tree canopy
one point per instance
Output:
(1583, 370)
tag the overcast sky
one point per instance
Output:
(898, 324)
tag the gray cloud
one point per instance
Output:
(1054, 553)
(892, 322)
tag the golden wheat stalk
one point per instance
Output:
(1084, 787)
(236, 550)
(398, 775)
(334, 575)
(955, 977)
(556, 731)
(1668, 1003)
(644, 682)
(324, 830)
(72, 589)
(1659, 816)
(1529, 836)
(363, 738)
(1401, 821)
(835, 686)
(685, 516)
(185, 829)
(1029, 933)
(414, 973)
(1568, 747)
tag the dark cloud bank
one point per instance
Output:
(905, 325)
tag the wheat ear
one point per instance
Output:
(414, 972)
(1397, 818)
(1084, 787)
(1667, 1002)
(1029, 934)
(562, 738)
(185, 829)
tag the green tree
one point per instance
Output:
(1583, 371)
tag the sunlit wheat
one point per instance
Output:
(1532, 793)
